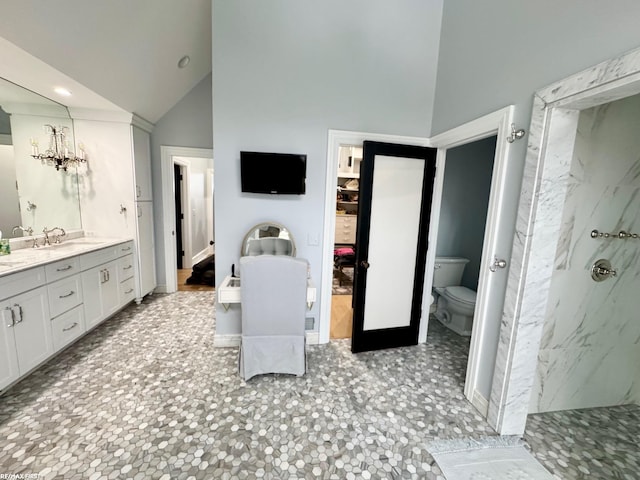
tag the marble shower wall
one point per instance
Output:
(590, 349)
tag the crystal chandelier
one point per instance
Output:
(58, 154)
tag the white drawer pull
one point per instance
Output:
(63, 269)
(67, 295)
(126, 249)
(73, 325)
(127, 267)
(128, 291)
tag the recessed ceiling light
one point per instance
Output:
(62, 91)
(184, 61)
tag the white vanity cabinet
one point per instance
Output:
(45, 308)
(146, 267)
(126, 280)
(101, 282)
(25, 336)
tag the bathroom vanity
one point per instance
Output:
(51, 296)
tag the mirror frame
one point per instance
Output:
(251, 231)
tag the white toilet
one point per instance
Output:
(454, 304)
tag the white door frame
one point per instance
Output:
(168, 207)
(497, 123)
(335, 140)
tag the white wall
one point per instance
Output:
(286, 72)
(590, 353)
(187, 124)
(465, 198)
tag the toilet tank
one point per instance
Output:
(448, 271)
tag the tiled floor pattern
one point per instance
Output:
(147, 396)
(597, 443)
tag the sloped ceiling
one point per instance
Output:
(124, 50)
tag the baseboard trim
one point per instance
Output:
(481, 403)
(233, 340)
(313, 338)
(225, 341)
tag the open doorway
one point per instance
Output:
(188, 196)
(347, 200)
(497, 239)
(461, 227)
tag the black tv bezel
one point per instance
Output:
(247, 177)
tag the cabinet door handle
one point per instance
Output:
(13, 317)
(103, 276)
(138, 191)
(68, 267)
(139, 212)
(108, 274)
(19, 320)
(67, 295)
(73, 325)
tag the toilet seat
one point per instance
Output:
(464, 295)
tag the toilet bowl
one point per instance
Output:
(455, 308)
(454, 304)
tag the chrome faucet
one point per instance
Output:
(46, 231)
(27, 230)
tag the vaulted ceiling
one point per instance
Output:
(126, 51)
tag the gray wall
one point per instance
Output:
(187, 124)
(497, 52)
(465, 197)
(287, 71)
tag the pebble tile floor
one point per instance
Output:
(146, 396)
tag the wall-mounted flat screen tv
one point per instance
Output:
(277, 173)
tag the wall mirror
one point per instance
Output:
(268, 238)
(33, 195)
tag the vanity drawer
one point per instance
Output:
(125, 249)
(93, 259)
(19, 282)
(127, 291)
(64, 295)
(125, 268)
(67, 327)
(62, 268)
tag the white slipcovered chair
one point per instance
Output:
(273, 292)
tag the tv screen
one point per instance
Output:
(279, 173)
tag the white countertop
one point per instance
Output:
(25, 258)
